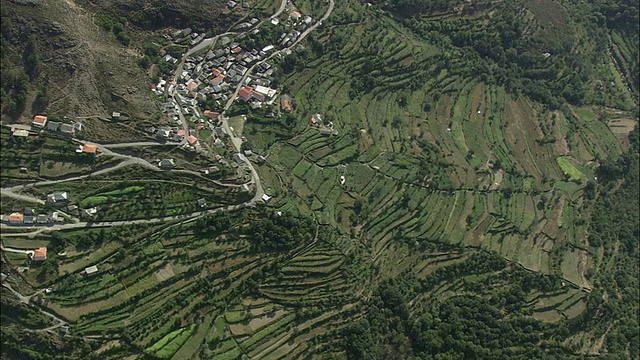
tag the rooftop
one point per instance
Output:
(90, 149)
(40, 254)
(39, 120)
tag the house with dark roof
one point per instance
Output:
(53, 126)
(68, 129)
(57, 197)
(162, 134)
(88, 213)
(167, 163)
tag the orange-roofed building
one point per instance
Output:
(16, 218)
(192, 85)
(258, 95)
(40, 254)
(181, 132)
(192, 140)
(216, 72)
(211, 114)
(245, 93)
(286, 106)
(89, 149)
(39, 120)
(217, 80)
(296, 15)
(236, 50)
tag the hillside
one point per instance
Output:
(78, 68)
(429, 179)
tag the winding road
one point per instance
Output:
(131, 160)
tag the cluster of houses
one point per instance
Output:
(256, 95)
(324, 128)
(175, 134)
(29, 217)
(57, 199)
(41, 122)
(216, 74)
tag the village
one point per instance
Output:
(211, 78)
(215, 75)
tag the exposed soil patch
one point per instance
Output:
(262, 321)
(165, 273)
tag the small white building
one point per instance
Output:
(91, 270)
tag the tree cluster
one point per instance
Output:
(273, 232)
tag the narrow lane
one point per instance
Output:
(130, 160)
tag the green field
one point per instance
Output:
(569, 169)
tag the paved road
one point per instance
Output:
(139, 144)
(300, 38)
(20, 251)
(27, 300)
(283, 4)
(237, 142)
(130, 160)
(183, 218)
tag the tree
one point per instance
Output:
(32, 57)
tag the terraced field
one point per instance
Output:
(432, 156)
(452, 183)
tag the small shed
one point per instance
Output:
(91, 270)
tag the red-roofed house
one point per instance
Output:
(296, 15)
(236, 50)
(39, 120)
(192, 140)
(181, 132)
(216, 72)
(285, 105)
(16, 218)
(211, 114)
(192, 86)
(217, 80)
(245, 93)
(257, 95)
(89, 149)
(40, 254)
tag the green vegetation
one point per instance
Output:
(106, 197)
(114, 24)
(17, 83)
(568, 168)
(168, 345)
(474, 203)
